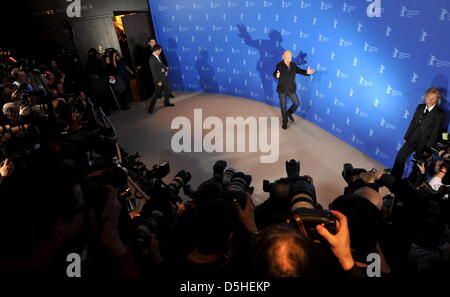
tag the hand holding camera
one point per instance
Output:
(421, 167)
(369, 177)
(339, 242)
(24, 111)
(6, 168)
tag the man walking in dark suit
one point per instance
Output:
(285, 73)
(423, 131)
(159, 74)
(162, 57)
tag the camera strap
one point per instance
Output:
(300, 224)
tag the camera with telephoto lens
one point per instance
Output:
(442, 146)
(115, 176)
(228, 176)
(218, 176)
(293, 169)
(423, 157)
(293, 175)
(147, 223)
(349, 172)
(238, 188)
(180, 180)
(306, 213)
(171, 191)
(227, 183)
(159, 171)
(94, 190)
(442, 150)
(218, 170)
(306, 220)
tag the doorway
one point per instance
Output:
(133, 28)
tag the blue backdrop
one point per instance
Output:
(372, 65)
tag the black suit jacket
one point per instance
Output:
(158, 69)
(162, 56)
(286, 82)
(427, 132)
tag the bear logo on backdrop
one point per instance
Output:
(371, 56)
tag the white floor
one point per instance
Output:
(321, 154)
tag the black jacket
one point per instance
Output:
(162, 56)
(424, 129)
(286, 82)
(158, 69)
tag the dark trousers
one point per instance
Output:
(406, 150)
(165, 89)
(146, 88)
(295, 104)
(100, 91)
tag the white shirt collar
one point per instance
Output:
(429, 108)
(435, 183)
(156, 57)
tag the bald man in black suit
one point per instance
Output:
(285, 73)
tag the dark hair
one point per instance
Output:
(151, 38)
(92, 52)
(212, 226)
(364, 222)
(281, 251)
(156, 47)
(208, 190)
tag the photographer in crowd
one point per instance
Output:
(75, 203)
(109, 79)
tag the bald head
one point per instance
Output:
(371, 195)
(287, 57)
(281, 250)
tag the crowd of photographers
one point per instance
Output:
(69, 192)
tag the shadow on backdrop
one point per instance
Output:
(270, 54)
(207, 76)
(175, 77)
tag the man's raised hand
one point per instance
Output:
(310, 71)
